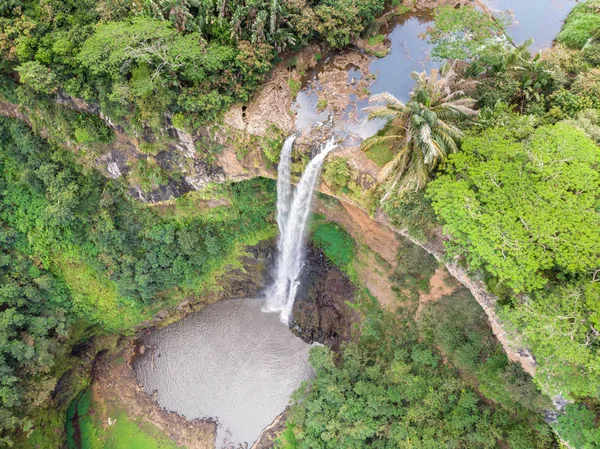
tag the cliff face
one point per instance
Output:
(246, 145)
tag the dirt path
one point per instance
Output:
(441, 284)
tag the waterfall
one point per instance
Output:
(293, 209)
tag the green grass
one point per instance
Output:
(287, 439)
(128, 434)
(402, 9)
(335, 242)
(580, 25)
(380, 154)
(125, 433)
(337, 245)
(321, 105)
(294, 86)
(377, 39)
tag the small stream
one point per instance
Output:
(230, 362)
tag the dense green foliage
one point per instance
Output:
(522, 209)
(519, 204)
(578, 427)
(142, 60)
(525, 208)
(518, 198)
(34, 320)
(391, 391)
(62, 208)
(581, 25)
(458, 326)
(76, 247)
(561, 326)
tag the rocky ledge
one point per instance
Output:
(322, 312)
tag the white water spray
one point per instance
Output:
(293, 209)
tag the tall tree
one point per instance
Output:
(423, 131)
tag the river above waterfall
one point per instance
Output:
(231, 363)
(408, 51)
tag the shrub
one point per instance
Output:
(337, 173)
(339, 22)
(38, 77)
(463, 33)
(558, 324)
(412, 211)
(502, 87)
(589, 122)
(570, 103)
(577, 427)
(148, 174)
(587, 85)
(414, 268)
(591, 53)
(294, 86)
(377, 39)
(272, 142)
(571, 62)
(581, 24)
(503, 202)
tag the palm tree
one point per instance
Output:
(177, 11)
(422, 130)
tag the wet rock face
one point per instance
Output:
(321, 313)
(249, 282)
(163, 193)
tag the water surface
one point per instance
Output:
(230, 362)
(540, 20)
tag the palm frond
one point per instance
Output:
(451, 130)
(398, 165)
(430, 149)
(376, 140)
(388, 99)
(449, 144)
(427, 126)
(380, 112)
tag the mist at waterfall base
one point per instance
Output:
(293, 210)
(231, 362)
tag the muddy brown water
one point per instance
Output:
(231, 363)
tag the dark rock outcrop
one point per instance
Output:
(321, 312)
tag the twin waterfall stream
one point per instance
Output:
(293, 209)
(231, 362)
